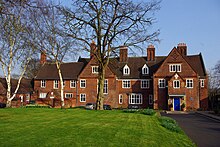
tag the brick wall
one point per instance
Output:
(135, 88)
(190, 96)
(56, 94)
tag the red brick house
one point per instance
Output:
(24, 93)
(181, 80)
(159, 82)
(47, 85)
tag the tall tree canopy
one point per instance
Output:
(52, 39)
(17, 40)
(110, 24)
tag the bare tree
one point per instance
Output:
(110, 24)
(214, 84)
(51, 38)
(16, 41)
(32, 68)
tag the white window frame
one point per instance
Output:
(202, 83)
(81, 82)
(145, 69)
(105, 88)
(161, 83)
(126, 83)
(55, 84)
(95, 69)
(145, 85)
(43, 83)
(151, 100)
(120, 99)
(42, 95)
(126, 70)
(175, 85)
(82, 96)
(68, 95)
(72, 83)
(175, 67)
(189, 83)
(135, 98)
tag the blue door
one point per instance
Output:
(177, 104)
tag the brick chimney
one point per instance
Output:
(43, 57)
(92, 49)
(123, 54)
(182, 48)
(150, 53)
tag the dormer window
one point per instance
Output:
(145, 69)
(126, 70)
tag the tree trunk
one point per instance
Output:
(100, 95)
(8, 80)
(61, 86)
(8, 105)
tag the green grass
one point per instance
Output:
(75, 127)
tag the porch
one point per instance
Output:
(177, 102)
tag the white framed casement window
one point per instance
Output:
(55, 84)
(151, 99)
(135, 98)
(145, 84)
(176, 84)
(145, 69)
(105, 89)
(72, 84)
(95, 69)
(126, 70)
(202, 83)
(189, 83)
(42, 95)
(82, 83)
(175, 67)
(68, 95)
(82, 97)
(43, 84)
(126, 83)
(120, 99)
(161, 83)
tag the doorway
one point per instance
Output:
(176, 104)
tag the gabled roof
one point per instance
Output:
(72, 70)
(25, 86)
(69, 71)
(197, 64)
(194, 61)
(135, 64)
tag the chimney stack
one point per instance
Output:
(150, 53)
(43, 57)
(123, 54)
(182, 48)
(92, 49)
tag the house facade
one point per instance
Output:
(47, 83)
(181, 81)
(23, 95)
(174, 82)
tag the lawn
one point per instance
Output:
(75, 127)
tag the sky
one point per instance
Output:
(194, 22)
